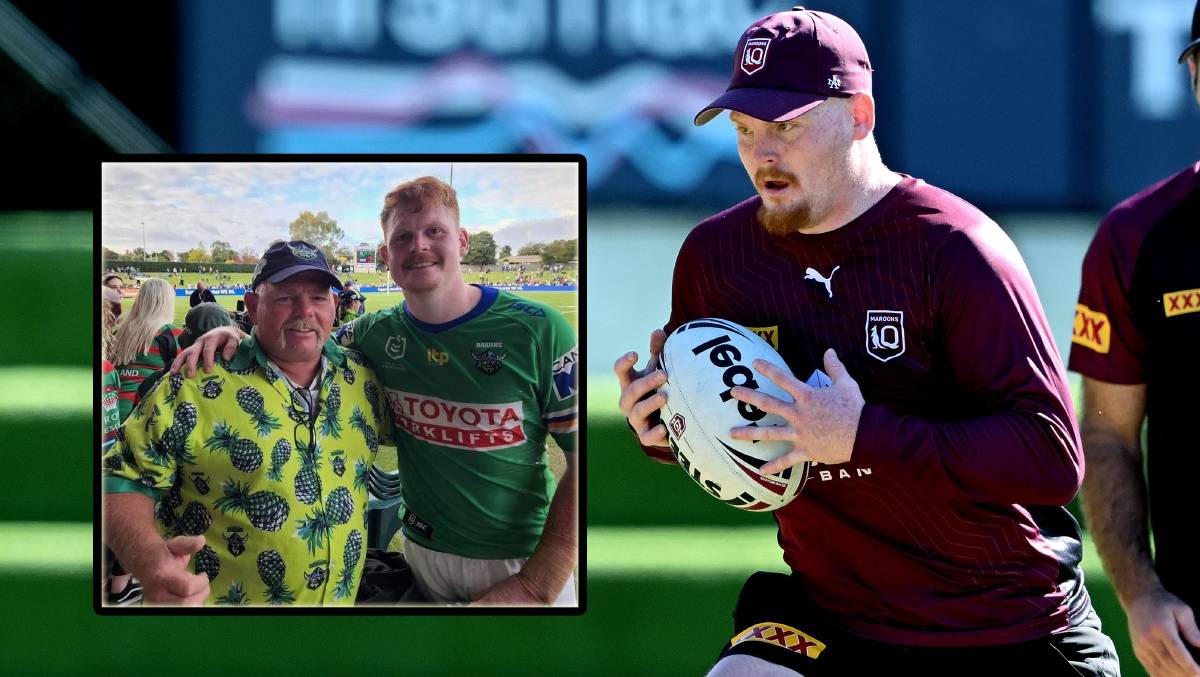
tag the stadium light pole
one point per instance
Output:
(143, 240)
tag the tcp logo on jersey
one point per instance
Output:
(1091, 329)
(754, 56)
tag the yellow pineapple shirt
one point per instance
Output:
(280, 499)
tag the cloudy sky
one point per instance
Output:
(251, 204)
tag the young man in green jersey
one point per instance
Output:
(474, 379)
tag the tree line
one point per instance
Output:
(322, 230)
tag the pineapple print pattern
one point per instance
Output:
(265, 510)
(349, 564)
(195, 521)
(308, 482)
(235, 596)
(314, 529)
(245, 454)
(271, 570)
(358, 422)
(251, 402)
(204, 444)
(280, 454)
(360, 474)
(174, 441)
(372, 392)
(207, 562)
(330, 426)
(174, 383)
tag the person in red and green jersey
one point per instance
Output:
(145, 340)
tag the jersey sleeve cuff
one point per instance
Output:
(123, 485)
(875, 441)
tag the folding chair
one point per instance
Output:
(383, 507)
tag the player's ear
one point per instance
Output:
(862, 109)
(464, 241)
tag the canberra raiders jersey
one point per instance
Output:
(1138, 321)
(472, 401)
(945, 528)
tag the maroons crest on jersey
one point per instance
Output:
(461, 425)
(885, 334)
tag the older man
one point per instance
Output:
(248, 484)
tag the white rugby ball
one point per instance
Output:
(704, 359)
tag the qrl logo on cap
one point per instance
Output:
(754, 57)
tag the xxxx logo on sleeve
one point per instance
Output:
(1181, 302)
(769, 334)
(781, 635)
(1091, 329)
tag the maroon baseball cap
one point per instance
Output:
(787, 63)
(1195, 43)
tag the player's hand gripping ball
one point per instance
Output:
(704, 359)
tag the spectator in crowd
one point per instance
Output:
(113, 283)
(119, 587)
(145, 339)
(202, 295)
(351, 285)
(200, 513)
(350, 307)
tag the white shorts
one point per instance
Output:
(443, 577)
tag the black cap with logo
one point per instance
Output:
(285, 259)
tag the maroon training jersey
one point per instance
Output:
(946, 527)
(1138, 321)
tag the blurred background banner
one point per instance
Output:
(1023, 103)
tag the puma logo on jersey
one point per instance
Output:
(813, 274)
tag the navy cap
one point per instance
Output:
(788, 63)
(1195, 43)
(285, 259)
